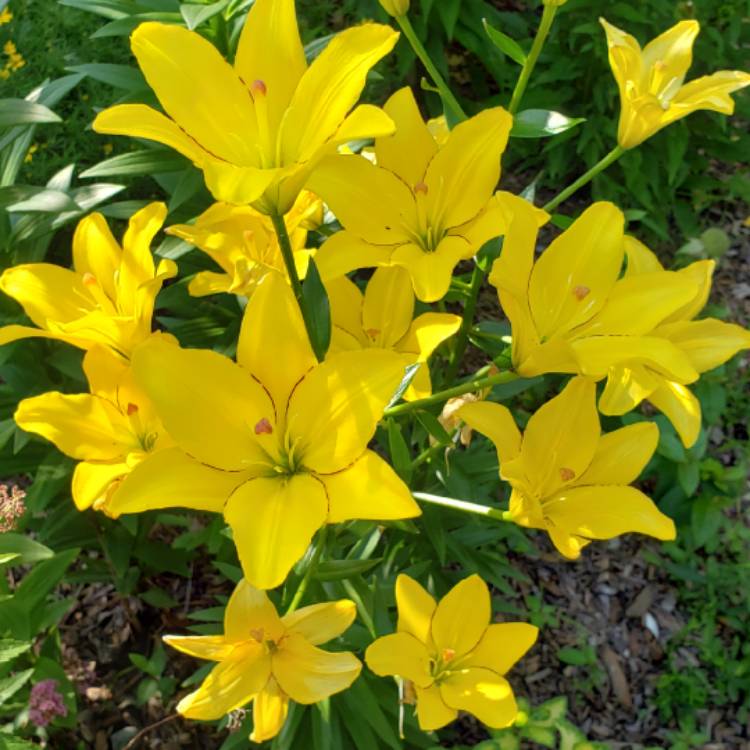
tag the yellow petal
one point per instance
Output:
(95, 251)
(501, 646)
(431, 273)
(208, 282)
(483, 693)
(369, 201)
(388, 306)
(198, 90)
(230, 685)
(209, 405)
(368, 489)
(270, 709)
(668, 57)
(432, 712)
(427, 332)
(622, 455)
(707, 343)
(681, 408)
(624, 57)
(320, 623)
(140, 121)
(335, 409)
(606, 511)
(272, 24)
(626, 387)
(408, 152)
(561, 437)
(9, 334)
(238, 184)
(637, 304)
(85, 427)
(597, 354)
(346, 307)
(105, 370)
(92, 481)
(249, 610)
(709, 92)
(364, 122)
(701, 273)
(212, 647)
(400, 654)
(556, 355)
(415, 608)
(277, 361)
(462, 616)
(171, 479)
(273, 522)
(308, 674)
(330, 87)
(495, 422)
(640, 258)
(573, 277)
(464, 173)
(345, 252)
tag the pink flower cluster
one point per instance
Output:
(45, 703)
(12, 506)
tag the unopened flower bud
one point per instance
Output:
(395, 8)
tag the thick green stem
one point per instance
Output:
(584, 179)
(461, 505)
(528, 67)
(474, 384)
(445, 92)
(462, 338)
(288, 255)
(312, 567)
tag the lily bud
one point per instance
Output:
(395, 8)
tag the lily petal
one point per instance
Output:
(681, 408)
(249, 609)
(461, 617)
(388, 306)
(346, 252)
(400, 654)
(671, 54)
(92, 481)
(495, 422)
(346, 307)
(483, 693)
(415, 608)
(270, 709)
(626, 387)
(501, 646)
(212, 647)
(432, 712)
(320, 623)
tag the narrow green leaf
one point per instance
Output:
(196, 14)
(117, 76)
(317, 311)
(505, 44)
(10, 649)
(338, 570)
(46, 201)
(399, 450)
(146, 161)
(29, 550)
(22, 112)
(11, 685)
(542, 123)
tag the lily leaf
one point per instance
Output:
(505, 44)
(542, 123)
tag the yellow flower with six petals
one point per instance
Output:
(567, 477)
(424, 206)
(651, 81)
(108, 298)
(382, 319)
(258, 128)
(269, 660)
(453, 655)
(276, 442)
(243, 242)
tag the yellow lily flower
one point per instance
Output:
(652, 92)
(424, 206)
(108, 297)
(452, 653)
(707, 343)
(569, 311)
(244, 243)
(269, 660)
(255, 129)
(567, 477)
(109, 430)
(277, 442)
(382, 319)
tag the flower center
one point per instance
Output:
(442, 664)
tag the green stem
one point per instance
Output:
(462, 338)
(288, 254)
(584, 179)
(462, 505)
(445, 92)
(473, 384)
(528, 67)
(320, 544)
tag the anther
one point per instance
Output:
(258, 87)
(448, 654)
(580, 292)
(132, 409)
(567, 474)
(373, 333)
(421, 187)
(89, 279)
(263, 427)
(257, 634)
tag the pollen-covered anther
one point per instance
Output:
(132, 409)
(567, 474)
(258, 88)
(373, 333)
(581, 292)
(263, 427)
(89, 279)
(257, 634)
(421, 187)
(448, 654)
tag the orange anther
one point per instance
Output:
(89, 279)
(263, 427)
(373, 333)
(448, 654)
(257, 634)
(132, 409)
(258, 87)
(421, 187)
(580, 292)
(567, 474)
